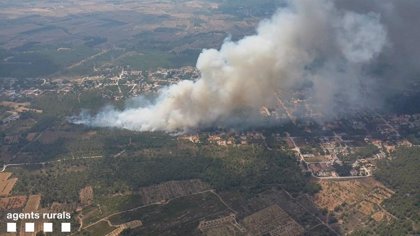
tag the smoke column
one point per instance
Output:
(310, 40)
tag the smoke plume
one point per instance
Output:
(308, 42)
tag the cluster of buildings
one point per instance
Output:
(334, 161)
(221, 138)
(125, 83)
(324, 154)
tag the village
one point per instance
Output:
(340, 148)
(340, 154)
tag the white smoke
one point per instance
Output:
(361, 37)
(310, 40)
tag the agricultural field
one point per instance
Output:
(15, 202)
(335, 193)
(86, 195)
(33, 203)
(273, 221)
(226, 225)
(6, 183)
(354, 202)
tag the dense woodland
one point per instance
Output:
(248, 169)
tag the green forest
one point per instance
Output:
(247, 169)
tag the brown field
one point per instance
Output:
(130, 225)
(12, 202)
(86, 195)
(19, 107)
(317, 158)
(366, 207)
(7, 186)
(4, 176)
(133, 224)
(116, 231)
(33, 203)
(354, 202)
(171, 189)
(334, 193)
(273, 221)
(380, 216)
